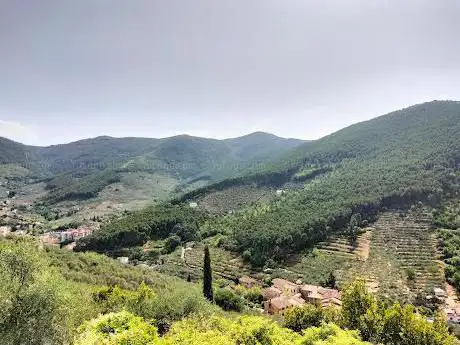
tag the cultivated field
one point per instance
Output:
(235, 198)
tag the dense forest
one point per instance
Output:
(448, 219)
(164, 221)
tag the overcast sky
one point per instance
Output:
(72, 69)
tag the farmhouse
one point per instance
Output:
(453, 315)
(270, 293)
(123, 260)
(285, 294)
(279, 305)
(286, 287)
(74, 234)
(4, 230)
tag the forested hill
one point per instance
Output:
(12, 152)
(411, 154)
(416, 131)
(81, 169)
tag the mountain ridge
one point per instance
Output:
(78, 164)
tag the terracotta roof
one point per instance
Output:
(329, 293)
(310, 288)
(282, 283)
(284, 302)
(329, 301)
(315, 295)
(271, 292)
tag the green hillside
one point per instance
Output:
(12, 152)
(82, 169)
(412, 154)
(408, 155)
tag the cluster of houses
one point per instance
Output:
(72, 235)
(284, 294)
(67, 236)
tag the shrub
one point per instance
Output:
(37, 306)
(171, 244)
(117, 329)
(300, 318)
(410, 274)
(228, 300)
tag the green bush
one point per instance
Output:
(301, 318)
(228, 300)
(37, 306)
(171, 244)
(120, 328)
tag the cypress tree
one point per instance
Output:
(207, 276)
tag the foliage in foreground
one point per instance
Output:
(38, 306)
(42, 303)
(125, 328)
(45, 294)
(117, 328)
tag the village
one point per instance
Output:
(284, 294)
(17, 222)
(277, 299)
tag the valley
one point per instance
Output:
(375, 202)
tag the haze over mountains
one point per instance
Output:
(85, 167)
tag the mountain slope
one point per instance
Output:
(394, 160)
(81, 169)
(12, 152)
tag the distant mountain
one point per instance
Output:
(83, 168)
(12, 152)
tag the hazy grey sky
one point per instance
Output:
(71, 69)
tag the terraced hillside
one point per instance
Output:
(341, 246)
(403, 258)
(336, 255)
(225, 264)
(397, 255)
(413, 243)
